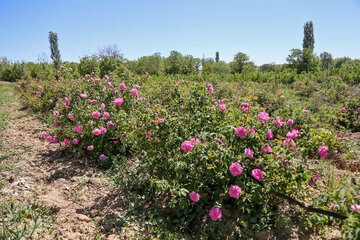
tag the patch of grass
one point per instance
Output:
(5, 99)
(20, 220)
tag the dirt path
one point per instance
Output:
(78, 195)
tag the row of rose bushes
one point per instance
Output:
(195, 141)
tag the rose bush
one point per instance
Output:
(192, 141)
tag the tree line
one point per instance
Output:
(110, 59)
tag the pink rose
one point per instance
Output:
(103, 130)
(293, 134)
(235, 169)
(222, 107)
(106, 115)
(96, 114)
(215, 214)
(66, 142)
(209, 89)
(270, 134)
(195, 141)
(240, 132)
(263, 116)
(96, 132)
(194, 196)
(257, 174)
(249, 152)
(278, 122)
(245, 107)
(122, 86)
(187, 146)
(323, 151)
(148, 134)
(234, 191)
(118, 101)
(78, 129)
(134, 92)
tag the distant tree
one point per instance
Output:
(267, 67)
(239, 61)
(221, 67)
(13, 72)
(197, 62)
(302, 60)
(217, 58)
(89, 65)
(174, 62)
(294, 59)
(308, 59)
(54, 48)
(188, 64)
(340, 61)
(111, 60)
(151, 64)
(308, 41)
(249, 67)
(4, 62)
(326, 60)
(111, 51)
(208, 65)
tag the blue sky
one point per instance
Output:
(265, 30)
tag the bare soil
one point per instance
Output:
(79, 194)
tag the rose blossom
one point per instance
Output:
(258, 174)
(240, 132)
(96, 114)
(323, 151)
(236, 169)
(106, 115)
(78, 129)
(194, 196)
(215, 214)
(249, 152)
(96, 132)
(234, 191)
(187, 146)
(134, 92)
(148, 134)
(122, 86)
(118, 101)
(222, 107)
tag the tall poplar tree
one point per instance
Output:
(54, 48)
(308, 41)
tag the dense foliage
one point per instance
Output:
(197, 138)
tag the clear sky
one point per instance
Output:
(264, 29)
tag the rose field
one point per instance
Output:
(200, 156)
